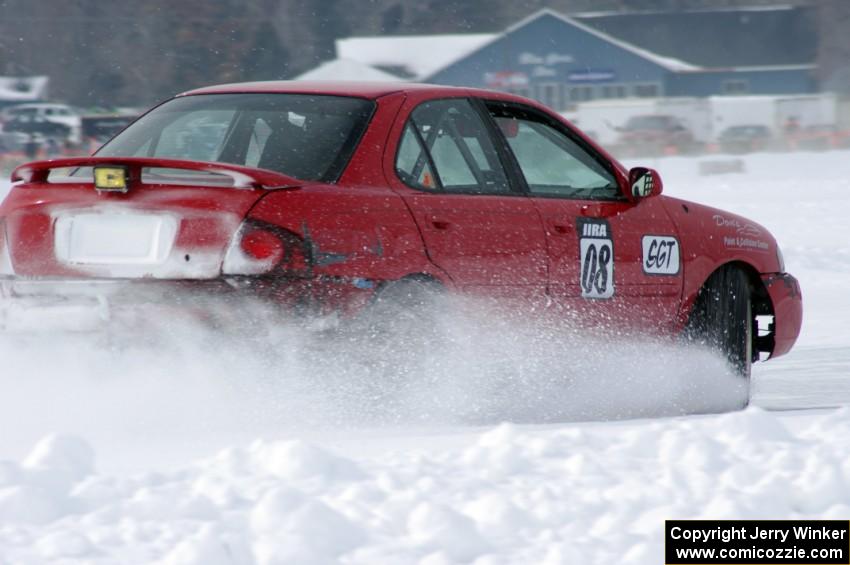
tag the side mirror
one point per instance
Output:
(643, 183)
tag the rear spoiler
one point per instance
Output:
(243, 177)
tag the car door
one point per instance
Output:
(608, 256)
(482, 232)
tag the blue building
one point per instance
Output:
(563, 60)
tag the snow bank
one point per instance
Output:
(580, 493)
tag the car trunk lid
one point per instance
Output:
(174, 220)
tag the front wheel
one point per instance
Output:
(722, 320)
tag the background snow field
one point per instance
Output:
(181, 447)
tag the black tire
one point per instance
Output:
(393, 337)
(404, 308)
(722, 320)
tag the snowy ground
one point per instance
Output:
(196, 452)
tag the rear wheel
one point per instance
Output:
(396, 339)
(722, 320)
(405, 308)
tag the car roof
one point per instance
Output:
(339, 88)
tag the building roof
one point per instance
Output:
(23, 89)
(667, 62)
(410, 56)
(347, 69)
(679, 41)
(769, 36)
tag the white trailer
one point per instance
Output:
(728, 111)
(603, 119)
(706, 118)
(813, 110)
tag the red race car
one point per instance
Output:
(327, 198)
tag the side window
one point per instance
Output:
(447, 146)
(412, 164)
(552, 163)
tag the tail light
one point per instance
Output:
(259, 249)
(261, 245)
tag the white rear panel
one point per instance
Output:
(86, 238)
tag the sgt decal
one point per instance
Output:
(660, 255)
(596, 256)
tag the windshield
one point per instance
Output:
(303, 136)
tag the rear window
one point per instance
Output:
(304, 136)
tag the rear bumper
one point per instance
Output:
(138, 288)
(86, 304)
(784, 292)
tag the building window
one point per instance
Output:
(614, 91)
(581, 93)
(547, 93)
(563, 98)
(736, 86)
(646, 90)
(520, 91)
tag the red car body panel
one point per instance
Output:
(637, 295)
(209, 218)
(712, 238)
(478, 241)
(348, 237)
(787, 303)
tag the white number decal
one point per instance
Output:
(597, 259)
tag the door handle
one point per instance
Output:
(440, 224)
(561, 228)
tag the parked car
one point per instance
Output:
(101, 127)
(745, 139)
(12, 142)
(37, 127)
(46, 119)
(655, 134)
(820, 137)
(331, 198)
